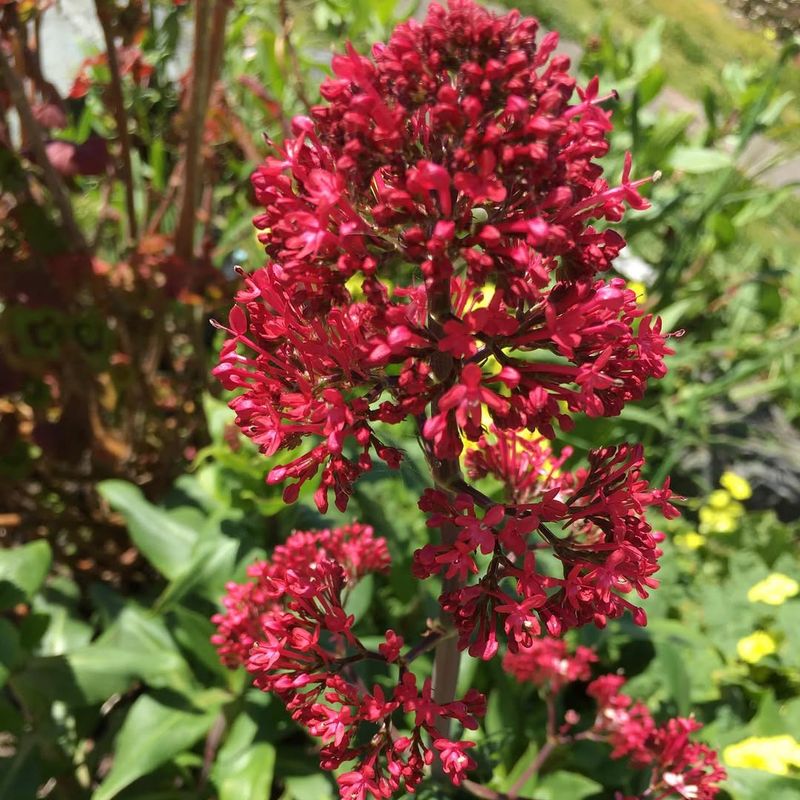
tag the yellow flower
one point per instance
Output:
(690, 541)
(487, 290)
(774, 590)
(719, 498)
(755, 646)
(640, 290)
(715, 520)
(773, 754)
(738, 486)
(353, 286)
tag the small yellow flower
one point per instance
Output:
(714, 520)
(353, 286)
(738, 486)
(774, 590)
(689, 541)
(755, 647)
(640, 290)
(719, 499)
(487, 290)
(773, 754)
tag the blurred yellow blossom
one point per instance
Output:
(691, 540)
(774, 590)
(755, 646)
(720, 520)
(487, 290)
(773, 754)
(738, 486)
(640, 290)
(719, 498)
(354, 286)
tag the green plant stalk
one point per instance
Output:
(184, 234)
(446, 475)
(120, 118)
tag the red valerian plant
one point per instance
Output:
(677, 766)
(433, 260)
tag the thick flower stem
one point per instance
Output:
(446, 474)
(447, 656)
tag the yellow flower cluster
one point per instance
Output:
(774, 590)
(640, 290)
(756, 646)
(723, 511)
(691, 540)
(737, 486)
(775, 754)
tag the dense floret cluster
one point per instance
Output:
(429, 230)
(289, 627)
(676, 766)
(438, 231)
(605, 544)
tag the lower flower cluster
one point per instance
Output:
(676, 765)
(592, 520)
(289, 627)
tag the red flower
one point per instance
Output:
(437, 234)
(547, 662)
(458, 144)
(289, 627)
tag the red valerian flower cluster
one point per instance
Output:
(678, 767)
(547, 662)
(438, 233)
(452, 166)
(288, 626)
(605, 544)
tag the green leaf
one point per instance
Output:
(752, 784)
(163, 540)
(193, 631)
(359, 598)
(153, 653)
(22, 571)
(308, 787)
(249, 776)
(519, 768)
(560, 785)
(698, 160)
(210, 566)
(243, 770)
(671, 659)
(20, 773)
(65, 631)
(652, 83)
(137, 646)
(152, 734)
(647, 49)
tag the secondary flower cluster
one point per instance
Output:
(605, 545)
(351, 550)
(429, 230)
(548, 663)
(289, 627)
(678, 767)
